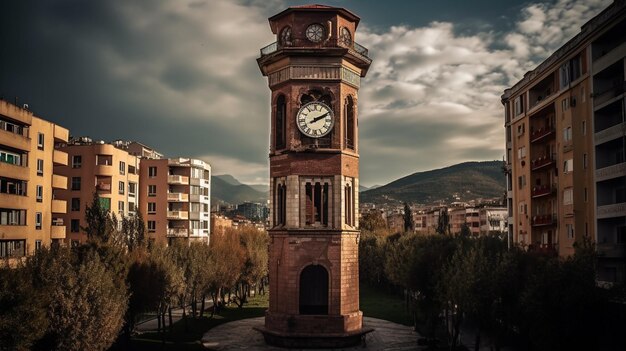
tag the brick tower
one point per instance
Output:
(314, 71)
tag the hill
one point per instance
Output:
(460, 182)
(225, 188)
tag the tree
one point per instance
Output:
(101, 224)
(408, 218)
(372, 221)
(86, 304)
(133, 231)
(443, 222)
(466, 232)
(254, 244)
(22, 310)
(228, 258)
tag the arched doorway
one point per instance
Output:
(314, 290)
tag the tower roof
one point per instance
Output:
(317, 8)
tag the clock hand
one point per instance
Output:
(320, 117)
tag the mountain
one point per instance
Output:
(225, 188)
(460, 182)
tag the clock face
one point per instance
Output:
(315, 32)
(315, 119)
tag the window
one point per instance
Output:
(13, 186)
(519, 105)
(77, 161)
(567, 134)
(37, 245)
(520, 129)
(122, 167)
(75, 204)
(105, 203)
(39, 193)
(74, 225)
(316, 199)
(584, 161)
(151, 207)
(570, 230)
(151, 226)
(522, 208)
(585, 194)
(564, 104)
(12, 217)
(280, 203)
(12, 248)
(131, 207)
(349, 204)
(38, 220)
(11, 158)
(40, 140)
(584, 127)
(152, 172)
(120, 207)
(568, 166)
(151, 190)
(132, 189)
(350, 123)
(75, 183)
(121, 187)
(568, 196)
(39, 167)
(564, 75)
(280, 120)
(521, 181)
(521, 152)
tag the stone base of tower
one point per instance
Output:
(314, 331)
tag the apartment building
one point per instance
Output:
(175, 198)
(493, 220)
(96, 166)
(565, 146)
(30, 211)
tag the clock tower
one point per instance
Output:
(314, 71)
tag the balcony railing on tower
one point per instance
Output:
(352, 46)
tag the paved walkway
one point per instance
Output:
(239, 335)
(177, 314)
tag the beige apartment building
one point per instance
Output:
(175, 198)
(95, 166)
(31, 215)
(565, 146)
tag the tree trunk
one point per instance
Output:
(171, 319)
(185, 317)
(202, 305)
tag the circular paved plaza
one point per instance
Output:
(239, 335)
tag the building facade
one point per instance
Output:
(565, 146)
(101, 168)
(31, 214)
(314, 71)
(175, 199)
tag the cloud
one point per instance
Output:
(432, 95)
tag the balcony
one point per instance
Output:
(59, 182)
(199, 232)
(15, 171)
(57, 230)
(617, 89)
(610, 211)
(177, 215)
(14, 138)
(177, 197)
(177, 232)
(104, 187)
(199, 198)
(59, 158)
(199, 182)
(543, 220)
(610, 133)
(61, 134)
(609, 58)
(178, 179)
(541, 162)
(301, 43)
(542, 190)
(59, 206)
(610, 172)
(541, 134)
(611, 250)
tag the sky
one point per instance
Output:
(181, 75)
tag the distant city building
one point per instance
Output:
(493, 220)
(175, 198)
(101, 168)
(395, 222)
(253, 211)
(31, 215)
(219, 223)
(565, 140)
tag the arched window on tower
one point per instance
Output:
(280, 202)
(316, 207)
(314, 290)
(349, 123)
(281, 114)
(349, 203)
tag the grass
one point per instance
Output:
(189, 340)
(378, 303)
